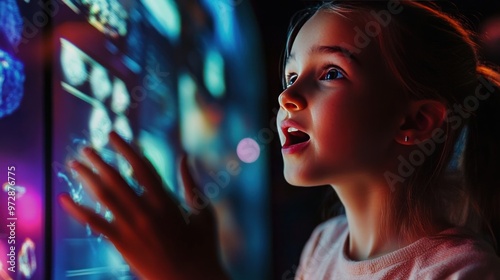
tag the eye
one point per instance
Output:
(332, 74)
(290, 79)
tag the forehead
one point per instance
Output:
(327, 28)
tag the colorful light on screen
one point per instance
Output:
(164, 17)
(123, 128)
(11, 83)
(11, 23)
(121, 97)
(100, 83)
(213, 74)
(158, 153)
(27, 208)
(27, 258)
(3, 259)
(193, 125)
(107, 16)
(72, 63)
(100, 125)
(223, 12)
(20, 190)
(248, 150)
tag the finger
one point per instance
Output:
(144, 172)
(86, 215)
(114, 181)
(195, 199)
(98, 191)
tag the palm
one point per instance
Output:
(158, 236)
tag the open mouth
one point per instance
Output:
(294, 136)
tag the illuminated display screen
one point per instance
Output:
(91, 101)
(166, 75)
(22, 193)
(108, 16)
(113, 78)
(107, 80)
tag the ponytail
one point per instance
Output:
(481, 158)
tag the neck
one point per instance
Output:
(371, 230)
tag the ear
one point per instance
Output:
(420, 121)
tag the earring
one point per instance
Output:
(406, 138)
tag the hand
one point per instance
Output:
(150, 231)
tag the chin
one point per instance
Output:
(299, 179)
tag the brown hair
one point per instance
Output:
(433, 55)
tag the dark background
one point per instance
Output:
(297, 210)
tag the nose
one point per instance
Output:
(291, 101)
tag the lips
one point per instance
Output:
(293, 134)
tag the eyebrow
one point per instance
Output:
(329, 50)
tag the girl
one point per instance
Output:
(386, 101)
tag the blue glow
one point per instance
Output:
(76, 193)
(131, 64)
(135, 42)
(164, 17)
(11, 83)
(213, 74)
(159, 154)
(225, 21)
(11, 23)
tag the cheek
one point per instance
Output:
(339, 133)
(352, 131)
(339, 120)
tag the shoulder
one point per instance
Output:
(328, 231)
(333, 226)
(327, 238)
(459, 255)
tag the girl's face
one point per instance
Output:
(340, 112)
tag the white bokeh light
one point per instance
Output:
(121, 97)
(122, 127)
(100, 125)
(100, 83)
(72, 64)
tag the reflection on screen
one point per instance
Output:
(198, 122)
(164, 16)
(213, 73)
(11, 83)
(169, 88)
(102, 101)
(108, 16)
(101, 89)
